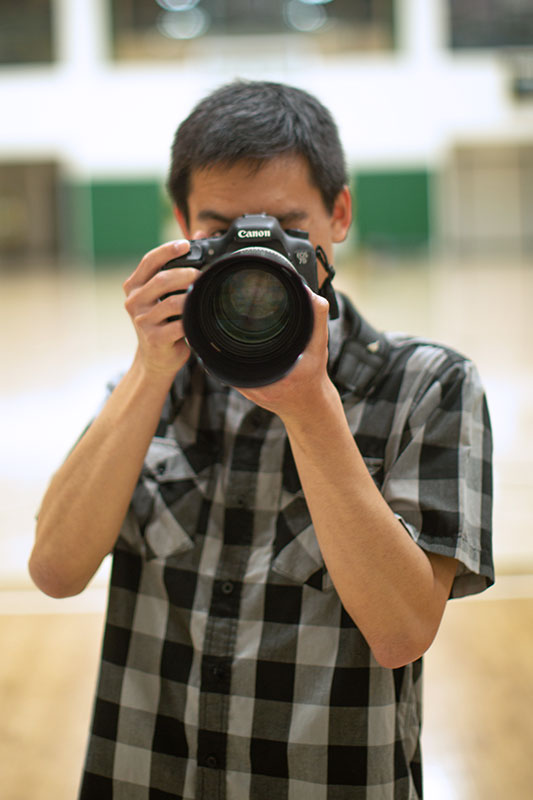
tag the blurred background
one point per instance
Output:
(434, 101)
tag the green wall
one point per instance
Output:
(111, 220)
(126, 218)
(114, 220)
(392, 208)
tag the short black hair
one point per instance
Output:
(256, 121)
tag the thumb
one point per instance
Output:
(319, 303)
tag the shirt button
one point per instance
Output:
(212, 762)
(227, 587)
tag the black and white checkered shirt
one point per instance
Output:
(230, 669)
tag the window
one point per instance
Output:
(490, 23)
(159, 29)
(29, 221)
(26, 32)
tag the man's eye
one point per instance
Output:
(217, 234)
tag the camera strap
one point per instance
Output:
(327, 290)
(364, 353)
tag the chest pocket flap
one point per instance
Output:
(168, 500)
(299, 556)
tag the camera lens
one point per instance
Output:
(248, 317)
(252, 306)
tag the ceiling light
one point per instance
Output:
(185, 25)
(177, 5)
(305, 17)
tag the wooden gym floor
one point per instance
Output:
(72, 334)
(478, 730)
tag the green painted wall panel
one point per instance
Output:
(113, 220)
(393, 208)
(76, 220)
(126, 218)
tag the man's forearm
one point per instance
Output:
(394, 591)
(84, 507)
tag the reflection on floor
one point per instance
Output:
(478, 729)
(65, 333)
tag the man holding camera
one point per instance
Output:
(282, 551)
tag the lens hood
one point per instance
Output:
(248, 317)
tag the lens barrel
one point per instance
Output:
(249, 317)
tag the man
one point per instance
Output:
(282, 554)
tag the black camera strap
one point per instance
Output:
(364, 353)
(327, 290)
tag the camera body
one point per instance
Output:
(254, 230)
(248, 317)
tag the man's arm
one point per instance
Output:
(393, 590)
(84, 507)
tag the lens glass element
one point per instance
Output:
(252, 305)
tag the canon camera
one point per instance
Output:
(248, 317)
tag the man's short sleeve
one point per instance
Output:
(440, 483)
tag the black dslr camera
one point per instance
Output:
(248, 317)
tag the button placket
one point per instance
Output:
(236, 489)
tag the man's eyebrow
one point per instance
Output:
(292, 216)
(210, 214)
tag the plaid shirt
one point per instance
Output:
(230, 669)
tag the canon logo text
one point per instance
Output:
(260, 234)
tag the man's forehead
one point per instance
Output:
(279, 187)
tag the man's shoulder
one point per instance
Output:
(423, 372)
(408, 351)
(369, 358)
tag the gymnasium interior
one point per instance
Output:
(434, 102)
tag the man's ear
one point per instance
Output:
(182, 222)
(341, 217)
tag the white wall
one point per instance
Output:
(99, 117)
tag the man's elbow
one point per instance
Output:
(52, 581)
(394, 652)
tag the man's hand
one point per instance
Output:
(162, 349)
(295, 396)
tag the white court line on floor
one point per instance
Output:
(93, 599)
(31, 601)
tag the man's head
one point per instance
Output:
(253, 123)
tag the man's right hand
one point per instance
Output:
(162, 349)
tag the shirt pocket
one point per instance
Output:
(300, 558)
(167, 502)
